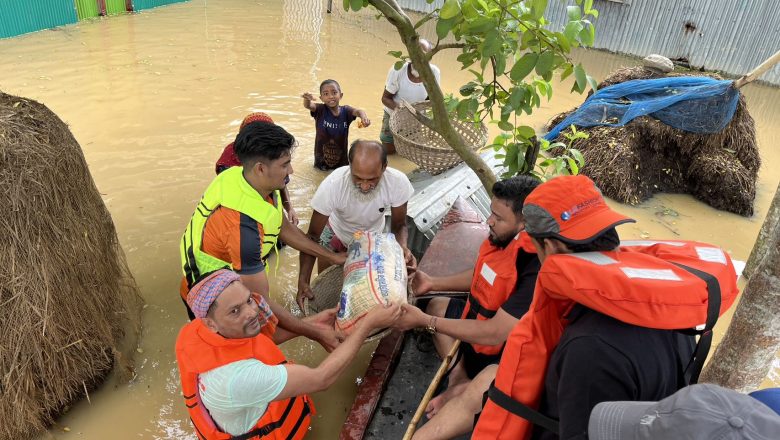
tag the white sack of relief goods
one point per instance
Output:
(375, 273)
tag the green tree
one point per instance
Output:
(512, 56)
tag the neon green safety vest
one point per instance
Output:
(231, 190)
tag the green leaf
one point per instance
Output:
(480, 25)
(542, 87)
(473, 106)
(588, 6)
(443, 27)
(592, 83)
(538, 7)
(451, 104)
(467, 89)
(525, 132)
(492, 44)
(450, 9)
(523, 66)
(395, 53)
(573, 12)
(577, 156)
(567, 71)
(563, 42)
(500, 63)
(588, 35)
(356, 4)
(572, 30)
(573, 166)
(579, 75)
(506, 126)
(463, 109)
(516, 98)
(346, 5)
(398, 65)
(544, 63)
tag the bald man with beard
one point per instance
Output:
(355, 198)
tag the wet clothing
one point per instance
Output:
(227, 159)
(348, 212)
(238, 393)
(201, 352)
(495, 280)
(332, 138)
(600, 359)
(401, 86)
(232, 226)
(645, 285)
(527, 266)
(329, 240)
(385, 134)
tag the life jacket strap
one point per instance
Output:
(478, 309)
(521, 410)
(264, 430)
(695, 365)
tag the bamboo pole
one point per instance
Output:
(445, 365)
(758, 71)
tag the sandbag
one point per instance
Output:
(374, 273)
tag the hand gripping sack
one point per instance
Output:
(374, 273)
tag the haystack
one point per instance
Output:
(646, 156)
(69, 306)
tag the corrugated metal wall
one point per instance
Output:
(139, 5)
(22, 16)
(87, 9)
(731, 36)
(114, 7)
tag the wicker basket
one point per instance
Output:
(327, 292)
(427, 148)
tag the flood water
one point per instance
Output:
(153, 98)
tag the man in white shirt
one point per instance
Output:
(356, 198)
(404, 84)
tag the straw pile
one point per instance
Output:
(646, 156)
(69, 306)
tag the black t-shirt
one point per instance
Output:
(520, 300)
(601, 359)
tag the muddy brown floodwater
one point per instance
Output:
(154, 97)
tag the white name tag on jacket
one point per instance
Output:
(488, 274)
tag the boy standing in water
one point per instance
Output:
(332, 123)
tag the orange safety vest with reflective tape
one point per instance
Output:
(494, 280)
(664, 285)
(198, 349)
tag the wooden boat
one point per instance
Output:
(404, 364)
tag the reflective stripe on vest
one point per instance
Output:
(198, 350)
(231, 190)
(648, 301)
(494, 280)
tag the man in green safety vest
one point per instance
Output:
(239, 219)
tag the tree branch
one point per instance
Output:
(440, 47)
(440, 123)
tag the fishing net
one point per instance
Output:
(69, 308)
(694, 104)
(375, 273)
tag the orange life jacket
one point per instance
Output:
(663, 285)
(198, 349)
(495, 277)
